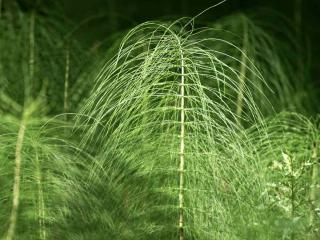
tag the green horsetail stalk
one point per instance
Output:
(38, 157)
(182, 150)
(17, 177)
(21, 133)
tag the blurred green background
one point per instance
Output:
(100, 19)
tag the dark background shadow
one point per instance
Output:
(103, 18)
(127, 13)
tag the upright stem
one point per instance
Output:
(314, 181)
(16, 185)
(66, 81)
(41, 207)
(182, 136)
(293, 197)
(29, 83)
(21, 134)
(242, 77)
(292, 188)
(289, 164)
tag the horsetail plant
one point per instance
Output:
(170, 141)
(288, 86)
(152, 112)
(36, 162)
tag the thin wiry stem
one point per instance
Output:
(17, 177)
(182, 133)
(28, 85)
(41, 206)
(314, 176)
(21, 133)
(293, 192)
(242, 76)
(66, 81)
(10, 102)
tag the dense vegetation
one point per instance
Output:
(173, 131)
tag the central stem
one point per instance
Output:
(41, 206)
(66, 81)
(293, 193)
(29, 84)
(21, 134)
(242, 76)
(181, 153)
(17, 177)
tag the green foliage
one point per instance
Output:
(39, 162)
(160, 135)
(276, 54)
(153, 116)
(289, 155)
(49, 167)
(38, 56)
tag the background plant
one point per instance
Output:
(273, 52)
(289, 155)
(38, 158)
